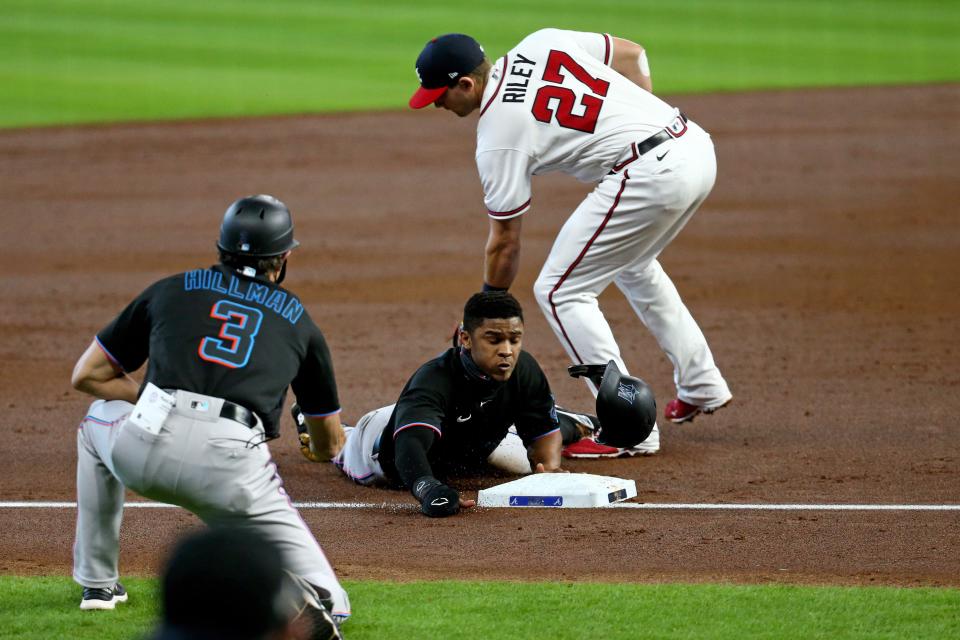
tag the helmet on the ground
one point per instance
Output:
(257, 226)
(626, 407)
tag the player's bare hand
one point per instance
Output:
(541, 469)
(467, 504)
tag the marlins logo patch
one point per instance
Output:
(627, 391)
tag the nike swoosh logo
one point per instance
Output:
(659, 158)
(439, 502)
(483, 403)
(461, 419)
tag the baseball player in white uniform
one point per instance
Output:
(581, 103)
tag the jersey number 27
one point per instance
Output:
(566, 98)
(233, 344)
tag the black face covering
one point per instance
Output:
(283, 272)
(475, 374)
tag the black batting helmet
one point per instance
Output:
(257, 226)
(626, 407)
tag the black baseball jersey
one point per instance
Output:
(470, 416)
(223, 334)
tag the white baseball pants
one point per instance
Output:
(615, 235)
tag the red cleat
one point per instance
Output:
(590, 448)
(678, 411)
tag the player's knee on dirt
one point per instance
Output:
(437, 500)
(511, 455)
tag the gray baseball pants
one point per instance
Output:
(216, 468)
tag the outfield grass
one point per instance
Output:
(68, 61)
(47, 608)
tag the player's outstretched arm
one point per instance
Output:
(95, 374)
(436, 499)
(502, 256)
(630, 61)
(545, 453)
(326, 437)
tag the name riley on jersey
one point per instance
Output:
(515, 89)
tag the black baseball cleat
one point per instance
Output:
(103, 598)
(324, 627)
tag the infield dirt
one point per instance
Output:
(824, 270)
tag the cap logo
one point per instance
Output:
(453, 74)
(419, 77)
(627, 392)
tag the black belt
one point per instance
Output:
(656, 139)
(653, 141)
(233, 411)
(237, 413)
(639, 148)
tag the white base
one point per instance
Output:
(558, 490)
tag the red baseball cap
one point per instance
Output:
(443, 61)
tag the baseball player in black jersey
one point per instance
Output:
(457, 409)
(222, 346)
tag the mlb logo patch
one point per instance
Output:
(677, 127)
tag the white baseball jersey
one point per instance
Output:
(554, 104)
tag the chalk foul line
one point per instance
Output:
(33, 504)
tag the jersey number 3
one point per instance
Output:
(567, 98)
(232, 346)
